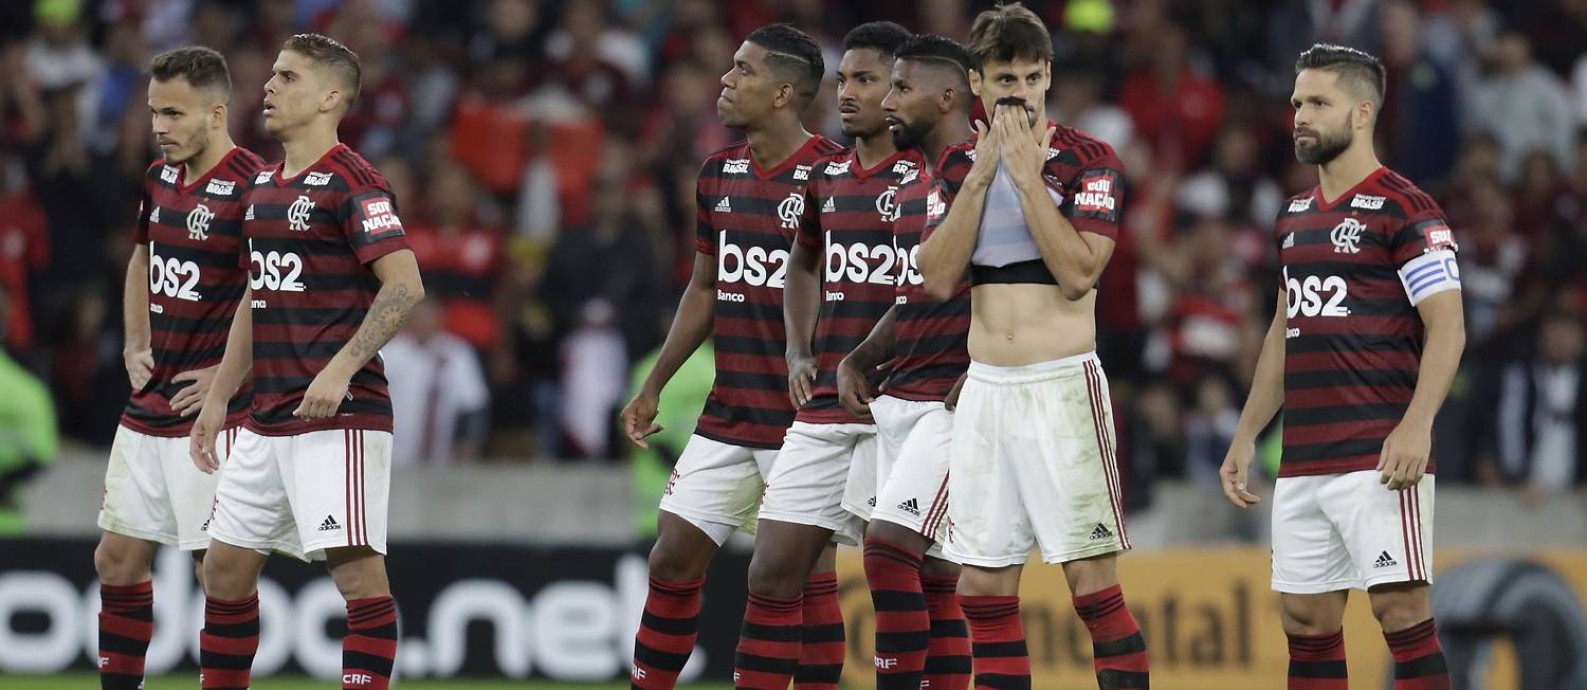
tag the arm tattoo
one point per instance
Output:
(880, 346)
(386, 316)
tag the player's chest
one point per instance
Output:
(751, 211)
(1335, 242)
(292, 214)
(207, 218)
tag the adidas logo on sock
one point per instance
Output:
(1101, 532)
(910, 506)
(329, 524)
(724, 207)
(1385, 561)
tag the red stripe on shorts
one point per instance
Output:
(1109, 467)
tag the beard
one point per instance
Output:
(1326, 148)
(194, 148)
(910, 135)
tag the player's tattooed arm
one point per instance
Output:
(135, 314)
(401, 289)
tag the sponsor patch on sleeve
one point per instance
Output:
(379, 217)
(1439, 236)
(1096, 195)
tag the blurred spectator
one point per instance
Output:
(461, 256)
(24, 251)
(1419, 125)
(1524, 106)
(438, 393)
(60, 55)
(89, 371)
(28, 437)
(21, 108)
(1543, 410)
(1233, 185)
(594, 362)
(1077, 102)
(1175, 108)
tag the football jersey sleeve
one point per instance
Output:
(371, 225)
(810, 233)
(704, 235)
(1422, 233)
(952, 169)
(140, 231)
(1096, 196)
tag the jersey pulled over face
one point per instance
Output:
(1354, 270)
(309, 242)
(746, 218)
(192, 232)
(849, 216)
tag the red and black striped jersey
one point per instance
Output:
(747, 218)
(848, 218)
(931, 348)
(310, 240)
(1353, 341)
(193, 232)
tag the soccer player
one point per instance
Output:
(1360, 355)
(332, 279)
(847, 232)
(921, 638)
(183, 286)
(750, 199)
(1032, 451)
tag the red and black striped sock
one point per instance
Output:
(370, 649)
(667, 632)
(126, 622)
(1317, 662)
(228, 642)
(948, 656)
(1418, 658)
(903, 628)
(768, 648)
(997, 638)
(1117, 648)
(821, 638)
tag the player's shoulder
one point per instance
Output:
(834, 163)
(1302, 203)
(730, 159)
(822, 146)
(962, 153)
(243, 164)
(1086, 150)
(352, 173)
(1390, 191)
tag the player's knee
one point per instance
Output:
(771, 574)
(682, 551)
(989, 582)
(1091, 575)
(1400, 608)
(198, 568)
(1309, 621)
(937, 567)
(119, 562)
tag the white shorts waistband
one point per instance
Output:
(1031, 373)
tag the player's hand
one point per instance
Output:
(1024, 150)
(324, 396)
(188, 400)
(639, 418)
(952, 401)
(140, 367)
(1236, 472)
(854, 390)
(988, 151)
(1404, 458)
(201, 442)
(801, 378)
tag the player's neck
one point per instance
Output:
(874, 149)
(200, 165)
(305, 150)
(951, 130)
(773, 145)
(1348, 170)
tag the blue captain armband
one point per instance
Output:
(1430, 274)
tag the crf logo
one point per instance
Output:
(198, 223)
(357, 679)
(885, 205)
(1346, 236)
(791, 209)
(298, 214)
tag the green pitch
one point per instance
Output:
(81, 681)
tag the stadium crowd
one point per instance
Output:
(544, 153)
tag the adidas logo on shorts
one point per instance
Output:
(329, 524)
(1101, 532)
(910, 506)
(1385, 561)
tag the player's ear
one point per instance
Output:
(975, 82)
(330, 100)
(786, 93)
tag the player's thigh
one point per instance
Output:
(914, 493)
(338, 482)
(137, 501)
(988, 524)
(807, 482)
(1309, 553)
(1062, 445)
(192, 490)
(716, 486)
(250, 508)
(1389, 534)
(1319, 613)
(866, 475)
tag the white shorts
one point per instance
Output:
(717, 487)
(907, 485)
(1033, 464)
(154, 492)
(305, 493)
(806, 485)
(1336, 532)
